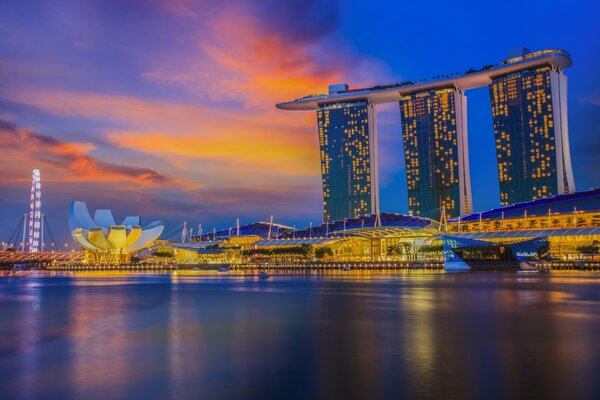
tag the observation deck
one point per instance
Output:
(470, 79)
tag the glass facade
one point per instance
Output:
(529, 113)
(436, 152)
(347, 140)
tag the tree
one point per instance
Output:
(406, 247)
(401, 248)
(163, 253)
(323, 252)
(433, 248)
(308, 251)
(591, 249)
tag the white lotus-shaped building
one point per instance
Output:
(105, 241)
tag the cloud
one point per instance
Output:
(238, 145)
(186, 92)
(72, 157)
(592, 100)
(262, 53)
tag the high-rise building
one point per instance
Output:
(529, 106)
(434, 127)
(529, 109)
(347, 139)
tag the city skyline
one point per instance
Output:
(528, 94)
(198, 138)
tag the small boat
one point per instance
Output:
(528, 266)
(196, 269)
(223, 269)
(518, 256)
(263, 275)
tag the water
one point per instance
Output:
(474, 335)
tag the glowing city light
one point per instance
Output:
(35, 213)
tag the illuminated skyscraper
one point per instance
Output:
(434, 127)
(529, 106)
(347, 139)
(529, 109)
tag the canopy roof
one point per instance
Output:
(588, 200)
(529, 233)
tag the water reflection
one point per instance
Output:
(93, 335)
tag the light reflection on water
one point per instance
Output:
(187, 335)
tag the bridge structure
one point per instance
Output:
(38, 260)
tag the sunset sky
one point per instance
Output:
(166, 108)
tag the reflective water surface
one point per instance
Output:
(438, 336)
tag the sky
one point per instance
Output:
(165, 108)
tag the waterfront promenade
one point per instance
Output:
(308, 267)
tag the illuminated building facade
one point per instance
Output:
(434, 127)
(530, 127)
(347, 141)
(103, 241)
(570, 223)
(529, 106)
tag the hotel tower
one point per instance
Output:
(347, 141)
(434, 131)
(529, 108)
(530, 128)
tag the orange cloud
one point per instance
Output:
(72, 157)
(247, 61)
(169, 131)
(209, 113)
(246, 146)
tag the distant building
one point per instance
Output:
(103, 241)
(347, 141)
(558, 229)
(570, 222)
(434, 128)
(530, 128)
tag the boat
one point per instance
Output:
(263, 275)
(224, 269)
(528, 266)
(487, 256)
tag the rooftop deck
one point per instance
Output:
(471, 79)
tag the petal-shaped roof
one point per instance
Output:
(83, 242)
(104, 218)
(117, 236)
(79, 216)
(152, 224)
(97, 238)
(101, 234)
(146, 238)
(131, 221)
(134, 235)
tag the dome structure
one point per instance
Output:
(105, 241)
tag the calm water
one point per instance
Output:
(477, 335)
